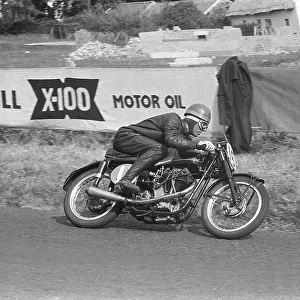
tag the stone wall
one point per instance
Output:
(205, 41)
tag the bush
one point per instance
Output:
(40, 26)
(150, 23)
(45, 25)
(114, 21)
(91, 22)
(23, 26)
(124, 21)
(4, 26)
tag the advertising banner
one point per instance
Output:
(101, 98)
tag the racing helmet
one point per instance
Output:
(199, 111)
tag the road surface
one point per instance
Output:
(44, 257)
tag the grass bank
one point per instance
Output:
(35, 163)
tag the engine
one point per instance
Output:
(172, 180)
(166, 181)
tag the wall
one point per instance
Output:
(212, 41)
(277, 17)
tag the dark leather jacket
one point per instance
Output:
(168, 129)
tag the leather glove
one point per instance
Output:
(209, 146)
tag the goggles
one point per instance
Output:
(203, 125)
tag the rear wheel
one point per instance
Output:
(224, 221)
(90, 212)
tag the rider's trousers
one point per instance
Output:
(148, 151)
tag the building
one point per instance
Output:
(269, 16)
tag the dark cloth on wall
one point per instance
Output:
(235, 96)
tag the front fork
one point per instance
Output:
(101, 170)
(232, 184)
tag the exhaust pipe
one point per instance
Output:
(96, 192)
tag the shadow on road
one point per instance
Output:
(130, 223)
(62, 220)
(123, 221)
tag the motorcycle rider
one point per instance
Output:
(150, 139)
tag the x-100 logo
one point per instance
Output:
(73, 98)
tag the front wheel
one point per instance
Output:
(224, 221)
(89, 212)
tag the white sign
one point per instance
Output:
(101, 98)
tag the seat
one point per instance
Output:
(112, 154)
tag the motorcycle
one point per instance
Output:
(234, 204)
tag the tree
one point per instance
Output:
(40, 5)
(69, 8)
(217, 17)
(183, 14)
(16, 10)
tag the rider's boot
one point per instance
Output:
(148, 158)
(125, 185)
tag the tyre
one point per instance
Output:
(89, 212)
(224, 221)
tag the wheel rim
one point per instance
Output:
(223, 221)
(80, 201)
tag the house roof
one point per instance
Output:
(251, 7)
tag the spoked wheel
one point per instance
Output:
(224, 221)
(89, 212)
